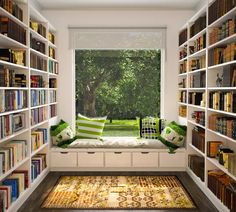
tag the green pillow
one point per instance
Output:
(90, 127)
(61, 132)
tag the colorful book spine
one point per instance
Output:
(38, 97)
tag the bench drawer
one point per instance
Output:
(63, 159)
(117, 159)
(172, 160)
(90, 159)
(145, 159)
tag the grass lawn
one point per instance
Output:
(120, 128)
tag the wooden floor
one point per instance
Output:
(33, 204)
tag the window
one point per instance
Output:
(120, 84)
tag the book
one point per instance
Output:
(38, 62)
(198, 138)
(37, 45)
(13, 56)
(14, 187)
(183, 36)
(53, 67)
(38, 115)
(7, 193)
(37, 81)
(198, 25)
(213, 148)
(38, 97)
(13, 8)
(197, 165)
(38, 27)
(53, 111)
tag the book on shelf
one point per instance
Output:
(183, 36)
(38, 164)
(197, 80)
(51, 37)
(5, 197)
(12, 30)
(13, 8)
(197, 165)
(223, 187)
(232, 164)
(183, 53)
(10, 124)
(37, 81)
(52, 83)
(53, 67)
(13, 56)
(198, 25)
(37, 44)
(12, 100)
(183, 96)
(38, 115)
(53, 111)
(223, 154)
(213, 148)
(52, 96)
(198, 44)
(38, 62)
(198, 117)
(52, 52)
(183, 67)
(182, 83)
(38, 97)
(197, 98)
(198, 138)
(39, 137)
(197, 63)
(38, 27)
(229, 76)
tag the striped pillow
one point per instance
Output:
(90, 127)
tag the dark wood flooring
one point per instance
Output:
(33, 203)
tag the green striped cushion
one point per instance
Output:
(90, 127)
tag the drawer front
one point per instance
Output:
(118, 159)
(145, 159)
(90, 159)
(63, 159)
(172, 160)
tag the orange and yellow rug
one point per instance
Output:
(118, 192)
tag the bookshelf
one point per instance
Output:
(208, 105)
(30, 134)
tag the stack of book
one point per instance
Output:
(197, 80)
(38, 62)
(199, 117)
(39, 137)
(227, 29)
(37, 81)
(53, 111)
(38, 97)
(213, 148)
(225, 101)
(12, 187)
(52, 96)
(197, 98)
(198, 138)
(12, 100)
(52, 83)
(197, 63)
(10, 124)
(37, 45)
(12, 7)
(183, 53)
(218, 8)
(183, 36)
(197, 165)
(223, 124)
(53, 67)
(38, 165)
(38, 115)
(11, 154)
(199, 44)
(183, 111)
(183, 96)
(52, 52)
(13, 56)
(38, 27)
(51, 37)
(198, 26)
(12, 30)
(223, 187)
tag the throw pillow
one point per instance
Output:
(90, 127)
(61, 132)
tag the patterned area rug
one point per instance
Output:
(118, 192)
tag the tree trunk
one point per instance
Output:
(89, 103)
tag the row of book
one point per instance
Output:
(38, 27)
(223, 187)
(198, 117)
(183, 36)
(197, 165)
(53, 67)
(223, 54)
(198, 138)
(12, 187)
(13, 56)
(9, 124)
(38, 62)
(38, 164)
(197, 80)
(39, 137)
(197, 63)
(52, 96)
(53, 110)
(52, 83)
(38, 97)
(227, 29)
(183, 53)
(12, 30)
(37, 45)
(11, 154)
(9, 78)
(183, 67)
(182, 83)
(51, 37)
(182, 111)
(52, 52)
(218, 8)
(198, 26)
(12, 100)
(199, 44)
(183, 96)
(225, 101)
(13, 8)
(38, 115)
(197, 98)
(223, 124)
(37, 81)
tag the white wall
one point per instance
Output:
(173, 20)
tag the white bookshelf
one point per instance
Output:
(210, 163)
(29, 12)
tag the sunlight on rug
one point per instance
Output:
(118, 192)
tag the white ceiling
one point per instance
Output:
(135, 4)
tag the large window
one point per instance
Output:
(120, 84)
